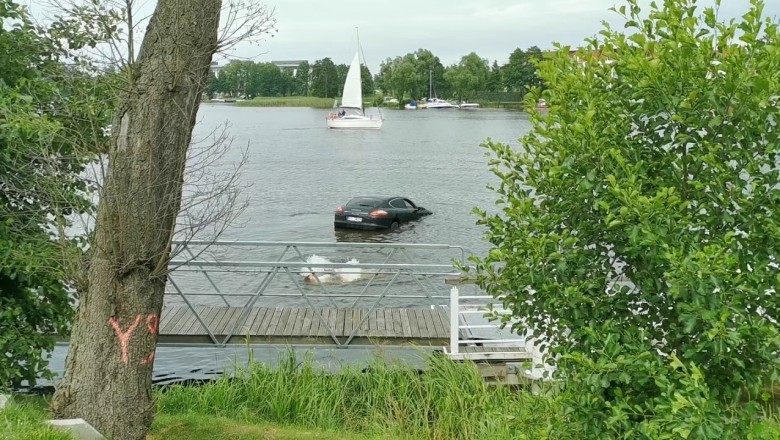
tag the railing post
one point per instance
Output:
(454, 321)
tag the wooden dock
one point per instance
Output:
(290, 325)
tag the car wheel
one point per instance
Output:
(394, 225)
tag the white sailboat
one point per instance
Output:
(351, 113)
(435, 103)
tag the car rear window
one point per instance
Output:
(363, 202)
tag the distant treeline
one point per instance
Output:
(407, 77)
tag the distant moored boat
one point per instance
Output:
(468, 105)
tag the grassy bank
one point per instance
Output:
(299, 401)
(447, 401)
(24, 418)
(208, 427)
(288, 101)
(313, 102)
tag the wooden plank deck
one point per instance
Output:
(289, 325)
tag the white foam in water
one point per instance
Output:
(339, 275)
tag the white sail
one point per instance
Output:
(353, 91)
(351, 115)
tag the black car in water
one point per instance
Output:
(370, 212)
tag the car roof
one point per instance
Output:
(384, 198)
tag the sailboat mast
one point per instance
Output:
(360, 73)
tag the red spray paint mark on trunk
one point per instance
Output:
(148, 360)
(123, 336)
(152, 323)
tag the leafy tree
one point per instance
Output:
(341, 76)
(534, 55)
(367, 82)
(287, 83)
(246, 78)
(325, 82)
(213, 86)
(469, 76)
(382, 79)
(235, 77)
(302, 79)
(52, 121)
(429, 66)
(408, 76)
(637, 233)
(494, 79)
(511, 73)
(400, 77)
(520, 73)
(266, 79)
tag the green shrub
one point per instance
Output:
(621, 391)
(637, 225)
(52, 114)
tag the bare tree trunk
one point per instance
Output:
(109, 366)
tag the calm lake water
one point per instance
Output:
(297, 172)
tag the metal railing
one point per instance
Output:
(471, 325)
(242, 273)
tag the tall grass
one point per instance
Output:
(288, 101)
(25, 419)
(769, 402)
(445, 401)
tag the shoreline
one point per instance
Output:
(327, 103)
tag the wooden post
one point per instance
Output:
(454, 322)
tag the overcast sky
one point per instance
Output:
(315, 29)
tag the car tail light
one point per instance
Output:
(340, 210)
(378, 213)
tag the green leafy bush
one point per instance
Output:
(637, 226)
(52, 118)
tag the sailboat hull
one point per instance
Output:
(354, 122)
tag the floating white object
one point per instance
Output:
(341, 275)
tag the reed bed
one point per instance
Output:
(288, 101)
(445, 401)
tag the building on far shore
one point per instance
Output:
(215, 68)
(288, 66)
